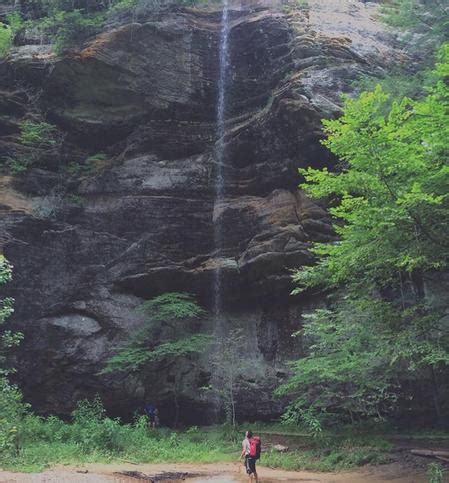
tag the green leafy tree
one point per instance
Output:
(65, 27)
(169, 338)
(8, 338)
(229, 361)
(390, 203)
(429, 19)
(67, 23)
(74, 26)
(423, 26)
(11, 407)
(390, 196)
(358, 351)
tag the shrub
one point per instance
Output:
(74, 199)
(122, 6)
(39, 134)
(87, 411)
(47, 206)
(435, 473)
(74, 26)
(63, 27)
(15, 22)
(5, 39)
(19, 164)
(12, 410)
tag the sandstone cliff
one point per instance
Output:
(136, 109)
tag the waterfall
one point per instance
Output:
(220, 156)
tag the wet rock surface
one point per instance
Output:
(138, 102)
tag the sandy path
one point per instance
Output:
(219, 473)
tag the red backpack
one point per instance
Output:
(255, 447)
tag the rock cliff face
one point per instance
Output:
(89, 244)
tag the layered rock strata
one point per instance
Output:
(138, 102)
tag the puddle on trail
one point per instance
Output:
(216, 479)
(224, 478)
(187, 479)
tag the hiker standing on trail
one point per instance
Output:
(251, 447)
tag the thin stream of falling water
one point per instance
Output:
(220, 156)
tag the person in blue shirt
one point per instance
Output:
(153, 415)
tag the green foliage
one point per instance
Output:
(390, 203)
(347, 455)
(343, 448)
(75, 25)
(99, 157)
(435, 472)
(12, 411)
(5, 39)
(357, 352)
(293, 5)
(91, 436)
(167, 337)
(423, 25)
(37, 137)
(229, 363)
(131, 358)
(398, 83)
(142, 7)
(19, 164)
(123, 6)
(11, 406)
(5, 276)
(74, 200)
(52, 7)
(66, 23)
(65, 27)
(301, 412)
(75, 169)
(39, 134)
(8, 339)
(169, 311)
(429, 19)
(167, 316)
(15, 22)
(88, 411)
(171, 306)
(86, 168)
(391, 193)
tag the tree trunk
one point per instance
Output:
(430, 452)
(231, 395)
(436, 397)
(176, 401)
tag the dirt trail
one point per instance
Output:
(209, 473)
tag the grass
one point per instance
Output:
(340, 449)
(336, 459)
(91, 437)
(328, 456)
(46, 442)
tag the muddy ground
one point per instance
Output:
(218, 473)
